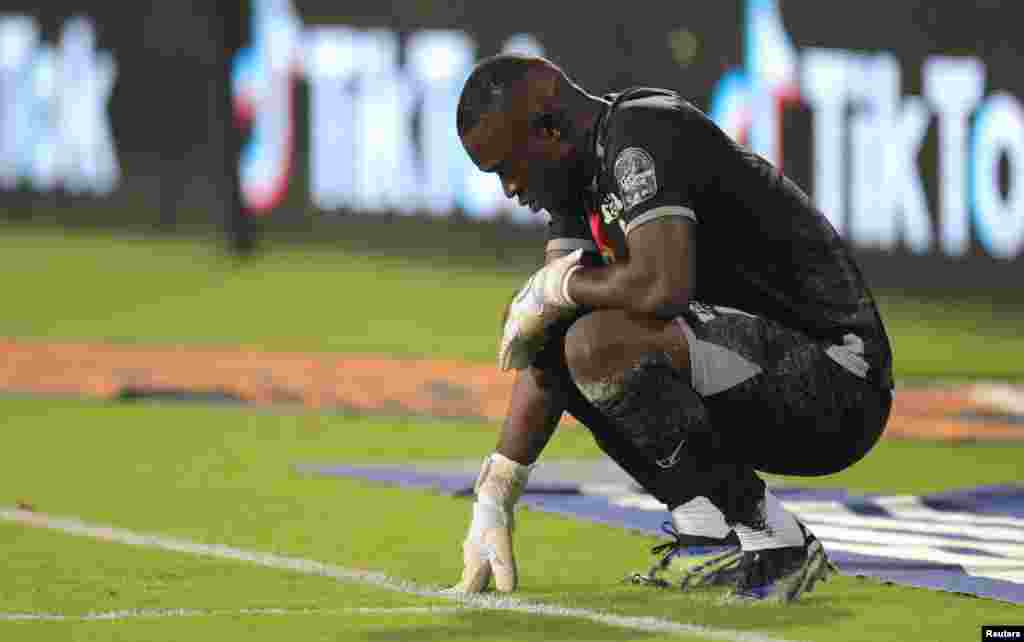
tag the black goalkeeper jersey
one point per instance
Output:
(762, 246)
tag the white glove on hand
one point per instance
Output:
(542, 301)
(487, 549)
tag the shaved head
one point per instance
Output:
(522, 118)
(494, 82)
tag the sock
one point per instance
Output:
(699, 517)
(654, 407)
(778, 530)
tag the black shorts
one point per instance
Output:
(777, 401)
(780, 400)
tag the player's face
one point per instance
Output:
(535, 165)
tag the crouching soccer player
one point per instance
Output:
(695, 312)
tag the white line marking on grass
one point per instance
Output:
(171, 613)
(493, 602)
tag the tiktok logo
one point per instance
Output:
(382, 105)
(748, 103)
(263, 78)
(867, 137)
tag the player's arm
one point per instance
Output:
(655, 179)
(655, 182)
(657, 278)
(537, 403)
(533, 414)
(539, 398)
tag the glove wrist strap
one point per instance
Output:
(501, 481)
(486, 516)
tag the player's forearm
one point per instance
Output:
(534, 411)
(624, 287)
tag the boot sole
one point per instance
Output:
(818, 568)
(720, 570)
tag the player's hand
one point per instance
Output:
(487, 550)
(538, 304)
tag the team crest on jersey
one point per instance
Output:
(635, 175)
(611, 208)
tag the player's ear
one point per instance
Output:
(547, 125)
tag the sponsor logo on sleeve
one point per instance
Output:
(635, 175)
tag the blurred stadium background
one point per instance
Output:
(255, 202)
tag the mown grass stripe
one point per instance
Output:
(127, 614)
(494, 602)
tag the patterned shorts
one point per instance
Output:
(789, 403)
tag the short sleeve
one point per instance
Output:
(656, 171)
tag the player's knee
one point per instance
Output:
(591, 346)
(601, 346)
(580, 345)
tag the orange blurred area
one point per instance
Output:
(440, 388)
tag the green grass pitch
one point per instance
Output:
(88, 286)
(223, 475)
